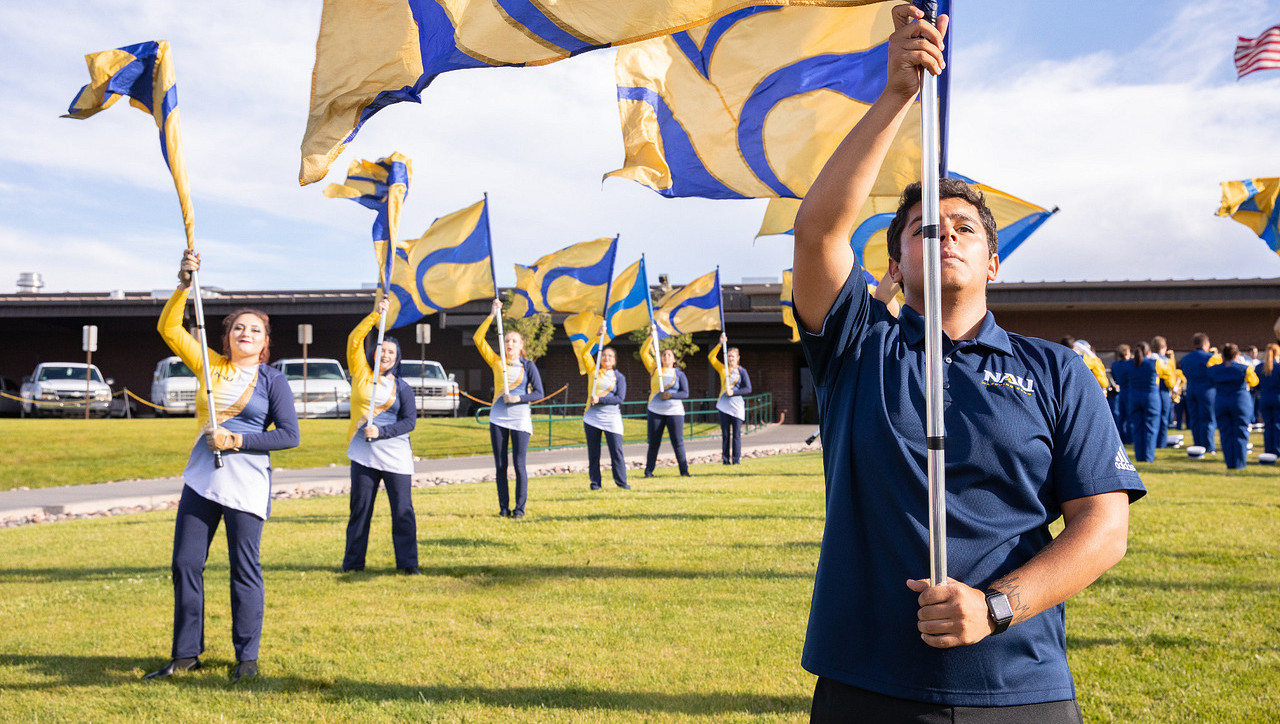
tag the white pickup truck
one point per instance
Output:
(320, 386)
(174, 387)
(60, 388)
(435, 392)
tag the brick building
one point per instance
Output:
(46, 327)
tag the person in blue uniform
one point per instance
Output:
(1233, 404)
(251, 398)
(1121, 368)
(1268, 371)
(1159, 345)
(1029, 440)
(1201, 404)
(1146, 409)
(510, 419)
(734, 383)
(380, 452)
(668, 385)
(1178, 396)
(603, 416)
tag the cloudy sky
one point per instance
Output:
(1124, 115)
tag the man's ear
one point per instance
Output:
(895, 275)
(993, 267)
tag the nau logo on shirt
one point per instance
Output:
(1008, 379)
(1122, 461)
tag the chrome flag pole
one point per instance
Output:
(935, 431)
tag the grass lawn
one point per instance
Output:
(40, 453)
(682, 601)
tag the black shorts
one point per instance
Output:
(835, 702)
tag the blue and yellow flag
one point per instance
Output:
(695, 307)
(144, 73)
(521, 302)
(1252, 202)
(574, 279)
(448, 266)
(380, 185)
(373, 53)
(788, 306)
(714, 111)
(629, 308)
(1016, 220)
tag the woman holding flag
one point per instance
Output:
(734, 383)
(516, 384)
(667, 387)
(604, 414)
(251, 397)
(379, 447)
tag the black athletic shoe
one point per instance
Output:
(624, 486)
(517, 514)
(411, 571)
(595, 486)
(173, 667)
(244, 670)
(504, 513)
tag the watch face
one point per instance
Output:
(1000, 608)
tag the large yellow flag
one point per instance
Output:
(573, 279)
(448, 266)
(695, 307)
(754, 104)
(144, 73)
(373, 53)
(1252, 202)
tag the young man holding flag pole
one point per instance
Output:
(1031, 440)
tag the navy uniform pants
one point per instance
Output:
(1200, 408)
(1144, 418)
(404, 524)
(197, 523)
(1269, 408)
(518, 441)
(619, 463)
(674, 425)
(1234, 415)
(1166, 419)
(730, 439)
(835, 702)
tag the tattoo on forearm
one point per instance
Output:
(1011, 588)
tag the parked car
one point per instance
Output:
(325, 391)
(435, 392)
(62, 388)
(9, 407)
(174, 387)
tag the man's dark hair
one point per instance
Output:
(1068, 341)
(949, 188)
(1159, 344)
(1229, 351)
(1199, 339)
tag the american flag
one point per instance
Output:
(1260, 53)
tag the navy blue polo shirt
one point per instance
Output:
(1026, 430)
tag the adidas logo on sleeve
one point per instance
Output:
(1122, 461)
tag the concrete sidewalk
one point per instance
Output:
(20, 507)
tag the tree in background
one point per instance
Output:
(537, 330)
(681, 343)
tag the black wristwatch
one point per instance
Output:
(999, 610)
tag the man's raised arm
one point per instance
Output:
(823, 258)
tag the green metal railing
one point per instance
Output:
(559, 425)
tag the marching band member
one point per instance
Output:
(250, 398)
(380, 451)
(1233, 404)
(510, 420)
(603, 416)
(734, 383)
(667, 387)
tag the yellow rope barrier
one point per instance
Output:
(152, 404)
(490, 402)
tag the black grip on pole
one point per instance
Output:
(938, 442)
(217, 459)
(930, 8)
(930, 231)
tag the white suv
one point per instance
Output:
(319, 390)
(434, 392)
(174, 387)
(60, 388)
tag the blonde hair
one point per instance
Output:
(1268, 361)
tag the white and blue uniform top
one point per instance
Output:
(522, 380)
(611, 387)
(249, 401)
(395, 411)
(736, 380)
(1026, 431)
(665, 379)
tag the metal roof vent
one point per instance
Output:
(30, 283)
